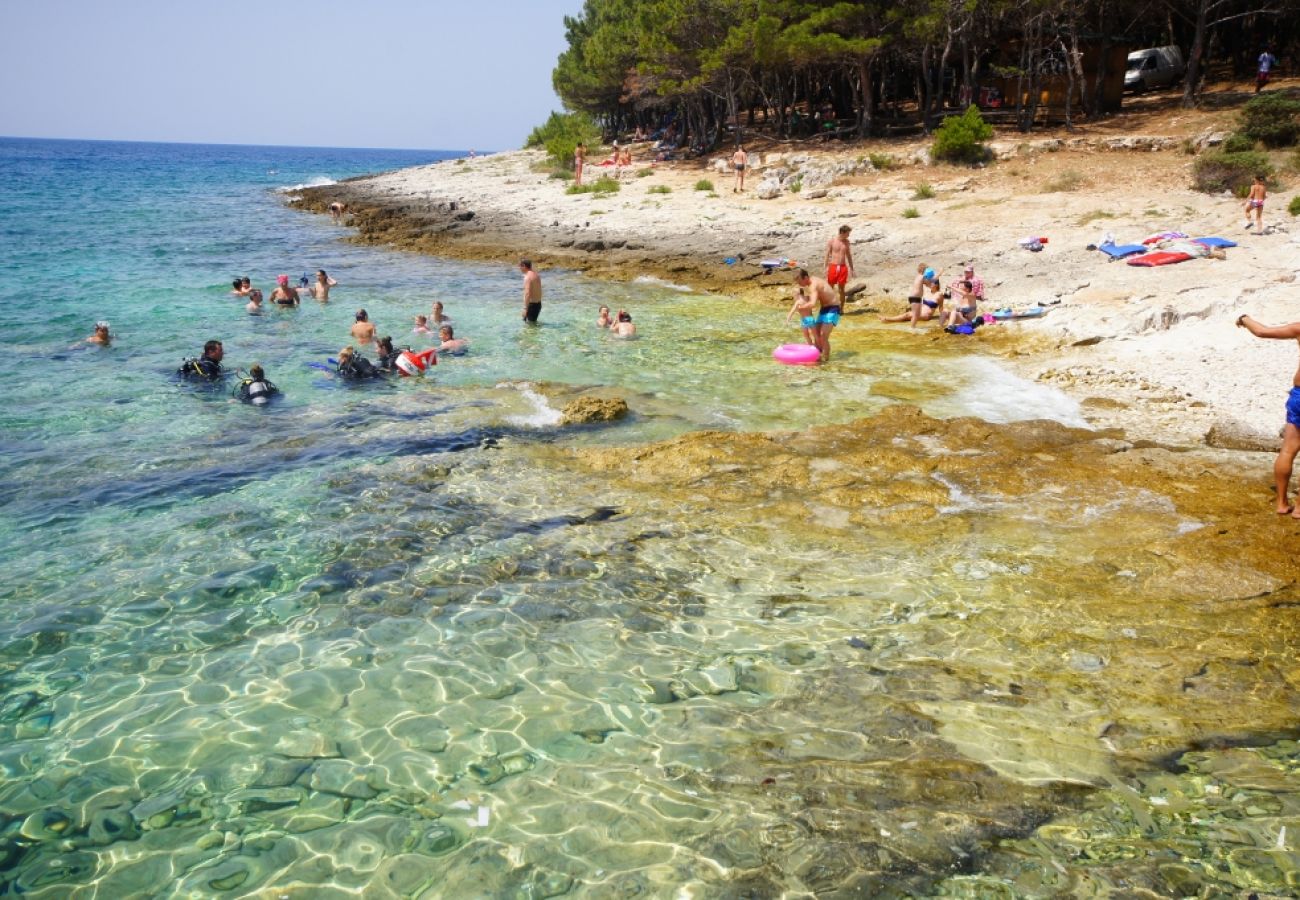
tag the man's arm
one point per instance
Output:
(848, 256)
(1281, 332)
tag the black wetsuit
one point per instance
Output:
(200, 369)
(359, 369)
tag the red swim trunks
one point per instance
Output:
(837, 274)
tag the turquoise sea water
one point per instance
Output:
(366, 639)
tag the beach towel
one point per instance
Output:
(1164, 236)
(1031, 312)
(1215, 242)
(1119, 251)
(1159, 258)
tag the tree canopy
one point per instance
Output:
(704, 71)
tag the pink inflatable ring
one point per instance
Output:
(797, 354)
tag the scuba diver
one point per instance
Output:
(353, 366)
(256, 388)
(207, 367)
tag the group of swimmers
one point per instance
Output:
(619, 325)
(284, 294)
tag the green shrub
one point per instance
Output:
(911, 213)
(602, 185)
(560, 175)
(882, 161)
(1294, 206)
(704, 185)
(1237, 143)
(642, 173)
(1215, 172)
(961, 138)
(922, 191)
(660, 189)
(1273, 119)
(562, 133)
(1093, 217)
(797, 184)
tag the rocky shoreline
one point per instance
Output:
(1150, 350)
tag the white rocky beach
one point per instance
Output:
(1151, 350)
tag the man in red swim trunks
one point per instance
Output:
(839, 261)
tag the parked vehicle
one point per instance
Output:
(1154, 68)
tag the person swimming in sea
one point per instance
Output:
(101, 336)
(284, 295)
(623, 328)
(604, 320)
(256, 388)
(451, 345)
(321, 289)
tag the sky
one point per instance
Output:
(431, 75)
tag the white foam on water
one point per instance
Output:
(543, 415)
(997, 395)
(318, 181)
(660, 282)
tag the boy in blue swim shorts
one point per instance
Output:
(1285, 461)
(806, 307)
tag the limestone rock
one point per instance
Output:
(768, 188)
(593, 409)
(1228, 434)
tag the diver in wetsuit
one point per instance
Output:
(256, 388)
(387, 355)
(355, 367)
(207, 367)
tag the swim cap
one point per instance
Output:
(928, 275)
(282, 280)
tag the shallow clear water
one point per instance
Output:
(380, 638)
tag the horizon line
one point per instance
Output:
(22, 137)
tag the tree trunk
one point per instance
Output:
(1194, 56)
(867, 110)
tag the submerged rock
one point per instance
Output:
(584, 410)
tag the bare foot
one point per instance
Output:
(1287, 511)
(1295, 514)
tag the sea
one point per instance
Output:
(382, 640)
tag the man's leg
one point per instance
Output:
(1283, 465)
(824, 339)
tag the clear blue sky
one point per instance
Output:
(424, 74)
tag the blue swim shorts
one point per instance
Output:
(808, 321)
(1293, 407)
(830, 315)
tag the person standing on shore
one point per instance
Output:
(739, 160)
(579, 157)
(532, 292)
(839, 261)
(829, 307)
(1285, 461)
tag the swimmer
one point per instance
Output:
(624, 328)
(256, 389)
(321, 289)
(839, 261)
(421, 325)
(532, 292)
(363, 332)
(806, 307)
(337, 211)
(102, 336)
(966, 305)
(604, 320)
(437, 317)
(242, 287)
(917, 309)
(283, 295)
(739, 160)
(451, 344)
(254, 307)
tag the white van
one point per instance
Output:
(1153, 68)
